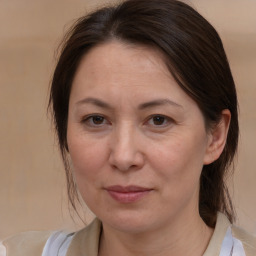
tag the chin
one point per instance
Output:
(130, 221)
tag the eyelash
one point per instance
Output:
(89, 119)
(164, 121)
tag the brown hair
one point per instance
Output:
(195, 57)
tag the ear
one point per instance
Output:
(217, 138)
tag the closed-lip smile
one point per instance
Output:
(127, 194)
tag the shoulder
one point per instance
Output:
(228, 239)
(27, 243)
(86, 241)
(247, 239)
(54, 243)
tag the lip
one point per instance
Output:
(127, 194)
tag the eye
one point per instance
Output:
(95, 120)
(159, 120)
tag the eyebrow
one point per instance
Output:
(150, 104)
(94, 101)
(159, 102)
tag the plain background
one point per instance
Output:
(32, 180)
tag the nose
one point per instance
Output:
(125, 150)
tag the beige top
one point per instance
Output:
(86, 241)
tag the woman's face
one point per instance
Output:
(137, 141)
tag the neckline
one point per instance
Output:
(86, 241)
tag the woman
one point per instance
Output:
(145, 109)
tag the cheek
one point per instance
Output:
(180, 163)
(180, 176)
(87, 163)
(88, 158)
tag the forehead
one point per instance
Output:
(114, 59)
(117, 70)
(120, 54)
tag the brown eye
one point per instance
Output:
(97, 120)
(158, 120)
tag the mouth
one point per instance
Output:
(127, 194)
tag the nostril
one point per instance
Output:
(126, 162)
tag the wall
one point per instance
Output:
(32, 182)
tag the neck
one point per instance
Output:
(179, 238)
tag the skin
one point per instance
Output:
(114, 138)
